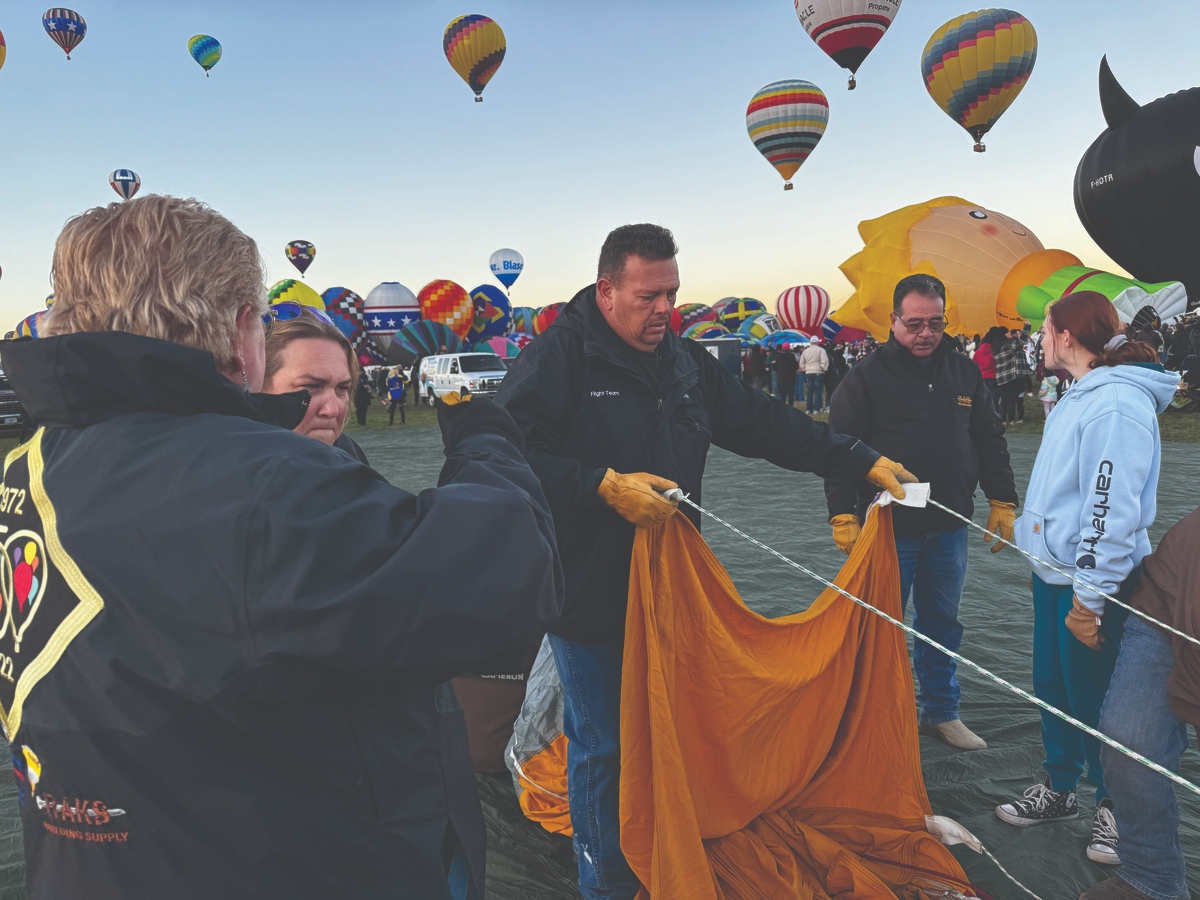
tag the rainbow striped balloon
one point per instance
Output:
(975, 65)
(475, 46)
(786, 120)
(205, 50)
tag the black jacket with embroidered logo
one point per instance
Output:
(225, 673)
(581, 396)
(936, 419)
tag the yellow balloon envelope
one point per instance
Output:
(475, 46)
(298, 291)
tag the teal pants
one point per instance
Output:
(1073, 678)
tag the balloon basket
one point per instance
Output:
(979, 148)
(478, 98)
(787, 185)
(852, 85)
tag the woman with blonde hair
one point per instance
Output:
(227, 637)
(1091, 498)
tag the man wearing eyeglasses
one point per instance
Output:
(921, 403)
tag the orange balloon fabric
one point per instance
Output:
(765, 759)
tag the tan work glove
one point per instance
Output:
(1000, 522)
(845, 531)
(1085, 625)
(454, 398)
(888, 475)
(636, 497)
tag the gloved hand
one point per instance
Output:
(1000, 522)
(1085, 625)
(888, 475)
(461, 416)
(845, 531)
(636, 497)
(454, 398)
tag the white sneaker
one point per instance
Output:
(1103, 848)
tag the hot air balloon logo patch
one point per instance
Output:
(23, 577)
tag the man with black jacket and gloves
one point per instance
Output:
(615, 409)
(921, 402)
(227, 671)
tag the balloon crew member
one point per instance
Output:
(1091, 498)
(924, 404)
(615, 409)
(362, 398)
(396, 383)
(224, 676)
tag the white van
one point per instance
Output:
(479, 373)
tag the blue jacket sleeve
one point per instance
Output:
(1116, 454)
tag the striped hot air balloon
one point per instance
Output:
(125, 182)
(522, 319)
(786, 120)
(692, 313)
(847, 30)
(975, 65)
(474, 45)
(803, 308)
(65, 27)
(703, 330)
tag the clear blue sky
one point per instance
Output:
(343, 124)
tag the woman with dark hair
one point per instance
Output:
(985, 359)
(1091, 498)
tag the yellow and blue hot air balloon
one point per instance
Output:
(474, 45)
(975, 65)
(785, 120)
(205, 50)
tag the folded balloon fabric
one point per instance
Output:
(771, 758)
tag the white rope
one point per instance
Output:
(1132, 754)
(1075, 578)
(1006, 873)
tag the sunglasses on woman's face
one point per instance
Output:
(288, 310)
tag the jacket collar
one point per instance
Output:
(893, 349)
(76, 380)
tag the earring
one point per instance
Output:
(245, 382)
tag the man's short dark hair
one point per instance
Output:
(650, 242)
(923, 285)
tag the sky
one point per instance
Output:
(343, 124)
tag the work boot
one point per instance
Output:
(1103, 848)
(1115, 888)
(1040, 806)
(954, 734)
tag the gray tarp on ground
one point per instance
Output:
(787, 511)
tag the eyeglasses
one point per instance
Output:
(937, 326)
(288, 310)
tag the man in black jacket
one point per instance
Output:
(616, 408)
(926, 405)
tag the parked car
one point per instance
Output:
(479, 373)
(12, 417)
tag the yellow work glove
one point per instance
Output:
(1000, 522)
(888, 475)
(845, 531)
(454, 398)
(636, 497)
(1085, 625)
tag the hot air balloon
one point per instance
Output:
(205, 50)
(125, 182)
(389, 307)
(785, 120)
(65, 27)
(424, 339)
(346, 309)
(522, 319)
(692, 313)
(1136, 188)
(702, 330)
(3, 50)
(676, 320)
(449, 303)
(492, 314)
(546, 316)
(737, 310)
(475, 47)
(847, 30)
(521, 340)
(296, 291)
(975, 65)
(778, 340)
(300, 254)
(803, 308)
(506, 266)
(28, 326)
(758, 327)
(503, 347)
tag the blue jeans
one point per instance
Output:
(787, 390)
(1073, 678)
(1137, 713)
(933, 567)
(591, 681)
(813, 386)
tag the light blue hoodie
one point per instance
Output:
(1092, 493)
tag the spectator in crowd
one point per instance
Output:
(814, 363)
(1012, 372)
(1048, 392)
(758, 368)
(837, 369)
(925, 404)
(786, 367)
(362, 398)
(396, 386)
(1090, 500)
(985, 360)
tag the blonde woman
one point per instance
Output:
(227, 634)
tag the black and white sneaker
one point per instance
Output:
(1040, 806)
(1103, 848)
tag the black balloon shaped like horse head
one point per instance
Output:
(1137, 189)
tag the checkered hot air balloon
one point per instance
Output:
(474, 45)
(521, 340)
(738, 310)
(65, 27)
(205, 50)
(125, 182)
(297, 291)
(300, 254)
(847, 30)
(692, 313)
(786, 120)
(803, 308)
(546, 316)
(346, 309)
(446, 302)
(492, 313)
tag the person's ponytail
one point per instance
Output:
(1120, 350)
(1091, 319)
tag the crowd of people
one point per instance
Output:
(240, 677)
